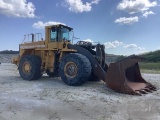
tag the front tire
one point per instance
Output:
(75, 69)
(30, 67)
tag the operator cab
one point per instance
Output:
(60, 32)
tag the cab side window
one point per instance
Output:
(53, 35)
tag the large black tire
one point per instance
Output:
(74, 69)
(30, 67)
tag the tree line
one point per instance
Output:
(153, 56)
(9, 52)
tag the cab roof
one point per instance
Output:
(59, 25)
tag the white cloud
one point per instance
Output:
(95, 1)
(88, 40)
(111, 45)
(128, 21)
(135, 6)
(130, 46)
(17, 8)
(134, 46)
(78, 6)
(145, 14)
(117, 47)
(41, 25)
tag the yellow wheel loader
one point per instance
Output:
(77, 63)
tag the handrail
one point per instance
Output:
(34, 37)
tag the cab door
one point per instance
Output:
(53, 38)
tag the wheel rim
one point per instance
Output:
(26, 68)
(70, 69)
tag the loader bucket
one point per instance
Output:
(125, 77)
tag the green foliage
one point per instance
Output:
(150, 71)
(150, 66)
(152, 56)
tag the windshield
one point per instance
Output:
(60, 33)
(65, 34)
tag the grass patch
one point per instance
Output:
(153, 68)
(150, 71)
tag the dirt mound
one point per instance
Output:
(6, 58)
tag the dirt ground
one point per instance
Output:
(51, 99)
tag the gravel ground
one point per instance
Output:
(51, 99)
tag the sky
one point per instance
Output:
(125, 27)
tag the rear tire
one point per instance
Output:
(75, 69)
(30, 67)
